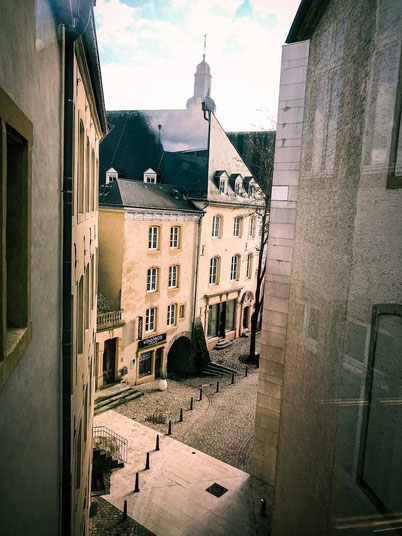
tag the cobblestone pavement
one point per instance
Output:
(108, 522)
(222, 424)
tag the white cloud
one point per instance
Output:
(149, 55)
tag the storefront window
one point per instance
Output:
(213, 320)
(230, 315)
(145, 365)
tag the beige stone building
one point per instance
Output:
(187, 154)
(52, 119)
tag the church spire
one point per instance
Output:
(202, 81)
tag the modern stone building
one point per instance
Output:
(52, 119)
(328, 420)
(176, 162)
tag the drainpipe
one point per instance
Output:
(196, 266)
(72, 33)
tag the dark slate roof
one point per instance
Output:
(306, 20)
(172, 142)
(131, 193)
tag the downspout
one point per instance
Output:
(72, 33)
(196, 266)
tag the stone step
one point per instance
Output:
(219, 367)
(207, 372)
(117, 401)
(116, 396)
(223, 343)
(112, 395)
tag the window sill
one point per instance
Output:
(171, 328)
(16, 344)
(173, 288)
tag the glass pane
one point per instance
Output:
(145, 364)
(230, 315)
(213, 321)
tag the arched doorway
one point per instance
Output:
(179, 357)
(246, 311)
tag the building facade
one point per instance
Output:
(52, 118)
(328, 414)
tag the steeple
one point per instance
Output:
(202, 82)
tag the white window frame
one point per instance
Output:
(150, 320)
(237, 226)
(174, 237)
(152, 279)
(213, 270)
(182, 310)
(173, 276)
(238, 187)
(153, 238)
(171, 320)
(223, 186)
(249, 262)
(234, 268)
(216, 226)
(251, 228)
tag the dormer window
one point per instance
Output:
(223, 186)
(150, 176)
(111, 175)
(238, 187)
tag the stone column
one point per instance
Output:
(279, 258)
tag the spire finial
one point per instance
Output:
(205, 45)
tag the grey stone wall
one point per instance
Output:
(30, 417)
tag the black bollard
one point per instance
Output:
(263, 508)
(246, 371)
(125, 511)
(137, 483)
(232, 378)
(200, 394)
(147, 461)
(157, 443)
(217, 386)
(191, 403)
(170, 428)
(181, 415)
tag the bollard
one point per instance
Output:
(157, 443)
(263, 508)
(170, 428)
(200, 394)
(191, 403)
(246, 371)
(125, 511)
(147, 461)
(137, 483)
(181, 415)
(232, 378)
(217, 386)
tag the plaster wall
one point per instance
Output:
(30, 402)
(111, 239)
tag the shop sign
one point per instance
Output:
(140, 324)
(151, 341)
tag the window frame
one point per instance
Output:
(215, 269)
(178, 237)
(170, 307)
(11, 117)
(150, 270)
(158, 235)
(223, 186)
(217, 218)
(147, 320)
(249, 265)
(238, 228)
(177, 276)
(237, 265)
(251, 228)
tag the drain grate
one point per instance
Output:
(217, 490)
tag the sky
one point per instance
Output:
(149, 50)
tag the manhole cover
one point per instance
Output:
(216, 489)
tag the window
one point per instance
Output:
(237, 226)
(249, 265)
(223, 189)
(251, 227)
(213, 271)
(182, 310)
(175, 237)
(93, 180)
(87, 177)
(238, 188)
(213, 317)
(150, 176)
(173, 276)
(150, 179)
(230, 311)
(80, 317)
(171, 315)
(153, 238)
(81, 168)
(15, 178)
(86, 300)
(145, 364)
(234, 269)
(216, 227)
(150, 320)
(251, 190)
(152, 280)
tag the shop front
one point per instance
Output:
(221, 317)
(151, 358)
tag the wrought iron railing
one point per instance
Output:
(109, 441)
(108, 320)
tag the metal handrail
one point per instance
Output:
(112, 318)
(107, 440)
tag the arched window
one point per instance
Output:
(251, 228)
(237, 226)
(173, 281)
(234, 268)
(150, 320)
(93, 181)
(175, 237)
(171, 315)
(249, 265)
(87, 177)
(214, 271)
(216, 226)
(153, 238)
(81, 168)
(152, 279)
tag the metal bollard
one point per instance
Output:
(232, 378)
(217, 386)
(170, 428)
(137, 483)
(246, 371)
(263, 508)
(191, 403)
(200, 394)
(125, 511)
(181, 415)
(147, 461)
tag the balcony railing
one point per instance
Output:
(109, 441)
(109, 320)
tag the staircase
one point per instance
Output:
(109, 401)
(213, 369)
(222, 343)
(109, 454)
